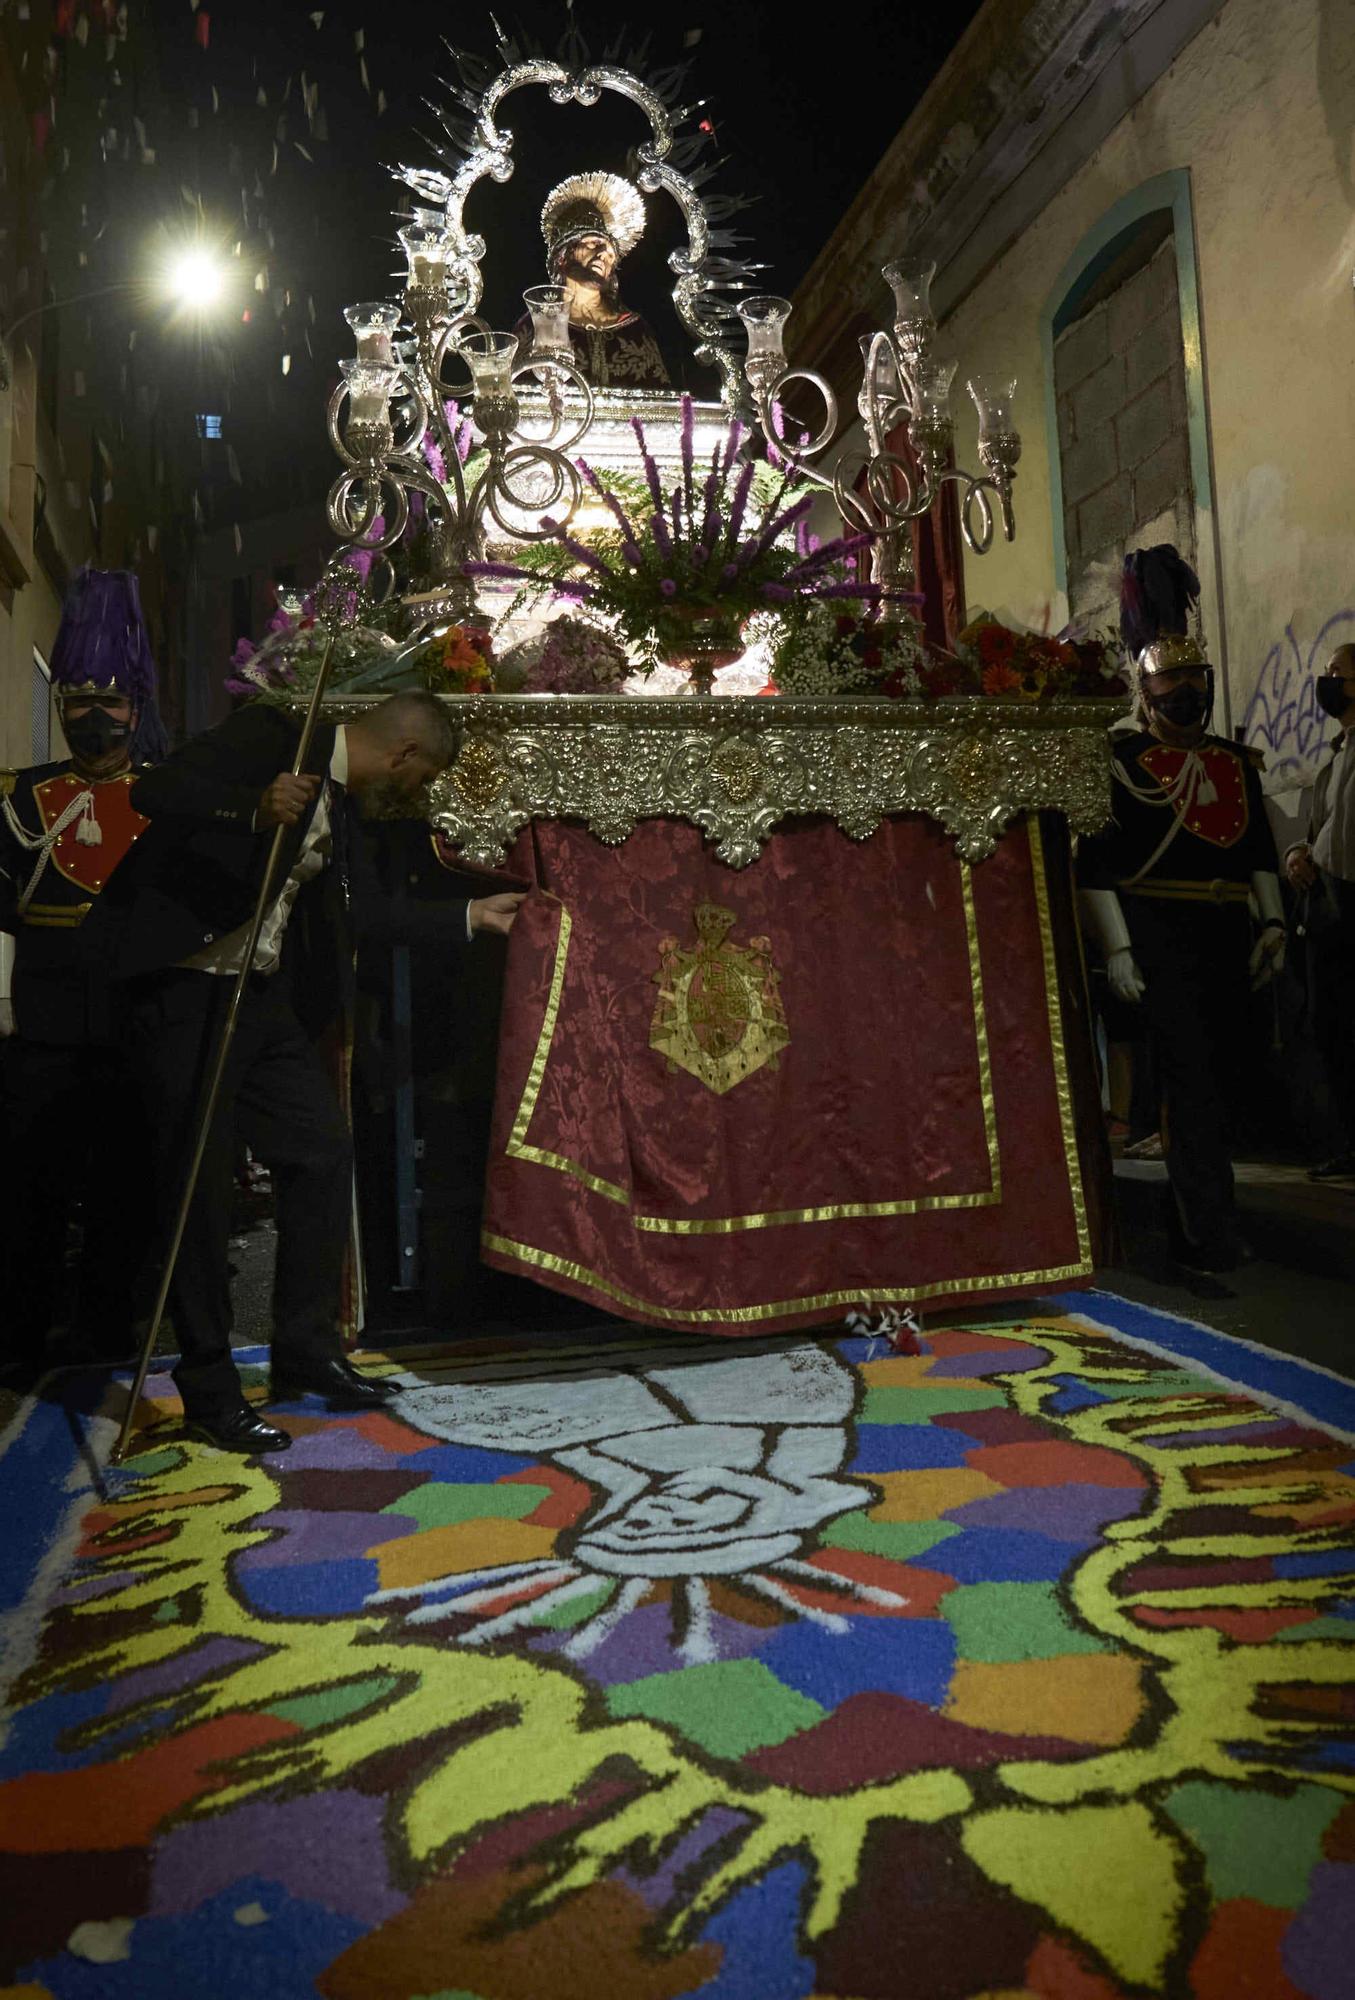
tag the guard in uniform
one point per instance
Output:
(71, 1125)
(1182, 894)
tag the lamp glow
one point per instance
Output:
(196, 279)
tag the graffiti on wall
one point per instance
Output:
(1283, 717)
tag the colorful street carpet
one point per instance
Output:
(628, 1666)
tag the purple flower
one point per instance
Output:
(668, 587)
(732, 443)
(508, 570)
(688, 447)
(624, 522)
(651, 469)
(364, 555)
(633, 554)
(245, 649)
(663, 541)
(729, 572)
(778, 592)
(433, 459)
(740, 507)
(461, 428)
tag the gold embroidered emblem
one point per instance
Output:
(719, 1014)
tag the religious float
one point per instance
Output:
(794, 1021)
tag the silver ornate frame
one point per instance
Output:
(702, 276)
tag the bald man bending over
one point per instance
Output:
(174, 921)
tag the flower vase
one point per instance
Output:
(709, 640)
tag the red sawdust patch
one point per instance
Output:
(452, 1934)
(115, 1805)
(1248, 1627)
(1057, 1973)
(1240, 1956)
(569, 1497)
(1054, 1463)
(389, 1434)
(873, 1737)
(923, 1588)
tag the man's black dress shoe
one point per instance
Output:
(337, 1380)
(241, 1431)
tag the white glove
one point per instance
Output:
(6, 974)
(1103, 917)
(1123, 975)
(1267, 957)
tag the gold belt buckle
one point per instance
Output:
(1218, 890)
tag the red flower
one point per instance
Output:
(1000, 678)
(996, 644)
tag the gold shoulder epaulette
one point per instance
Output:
(7, 783)
(1254, 754)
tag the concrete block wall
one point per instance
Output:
(1120, 385)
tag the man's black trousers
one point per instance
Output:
(1194, 960)
(277, 1099)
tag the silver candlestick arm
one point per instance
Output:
(905, 389)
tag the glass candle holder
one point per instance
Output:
(490, 358)
(549, 308)
(931, 401)
(373, 324)
(369, 388)
(992, 396)
(425, 246)
(764, 321)
(910, 280)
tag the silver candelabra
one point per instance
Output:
(905, 389)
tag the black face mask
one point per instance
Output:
(95, 735)
(1333, 696)
(1183, 706)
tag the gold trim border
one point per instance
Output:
(518, 1147)
(1054, 1004)
(564, 1267)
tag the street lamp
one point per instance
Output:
(193, 278)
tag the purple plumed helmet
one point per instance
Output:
(102, 644)
(1158, 591)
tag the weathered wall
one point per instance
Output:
(1120, 399)
(1260, 107)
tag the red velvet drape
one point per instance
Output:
(897, 1125)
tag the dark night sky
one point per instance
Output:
(801, 116)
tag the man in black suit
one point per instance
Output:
(175, 920)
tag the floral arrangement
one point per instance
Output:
(458, 661)
(569, 657)
(1035, 666)
(701, 549)
(824, 652)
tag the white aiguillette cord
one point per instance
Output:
(1192, 786)
(89, 834)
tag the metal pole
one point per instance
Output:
(218, 1072)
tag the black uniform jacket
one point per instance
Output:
(1223, 836)
(60, 993)
(194, 875)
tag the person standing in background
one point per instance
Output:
(1321, 869)
(1168, 890)
(72, 1126)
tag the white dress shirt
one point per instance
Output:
(1334, 814)
(225, 955)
